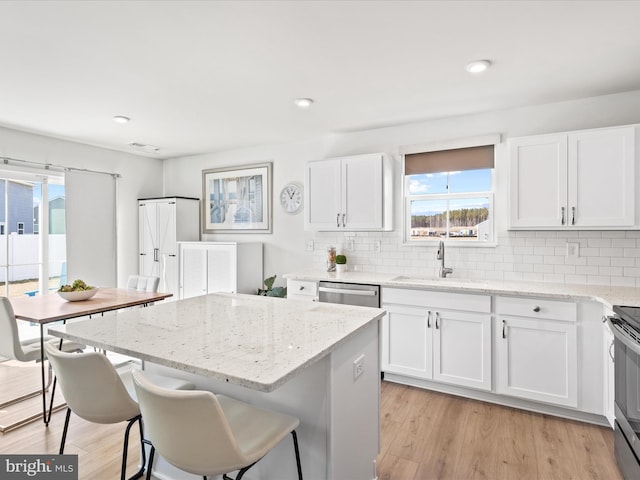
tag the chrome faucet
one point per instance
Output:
(444, 271)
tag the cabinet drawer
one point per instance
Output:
(537, 308)
(300, 288)
(434, 299)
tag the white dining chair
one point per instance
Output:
(207, 434)
(96, 392)
(143, 283)
(12, 348)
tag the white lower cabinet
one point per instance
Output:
(423, 337)
(537, 350)
(210, 267)
(302, 290)
(609, 376)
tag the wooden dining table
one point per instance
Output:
(49, 308)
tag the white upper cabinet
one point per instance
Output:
(349, 193)
(577, 180)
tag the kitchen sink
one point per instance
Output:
(419, 279)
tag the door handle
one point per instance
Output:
(573, 215)
(155, 254)
(428, 318)
(344, 224)
(338, 220)
(437, 318)
(562, 216)
(504, 326)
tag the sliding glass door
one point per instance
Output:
(32, 233)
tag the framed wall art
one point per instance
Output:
(237, 199)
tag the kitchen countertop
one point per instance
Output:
(607, 295)
(254, 341)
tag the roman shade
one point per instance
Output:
(453, 160)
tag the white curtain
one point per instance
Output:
(91, 228)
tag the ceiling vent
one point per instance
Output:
(144, 148)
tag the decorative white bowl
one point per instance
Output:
(78, 295)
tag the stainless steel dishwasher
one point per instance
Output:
(350, 294)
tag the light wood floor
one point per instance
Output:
(425, 435)
(428, 435)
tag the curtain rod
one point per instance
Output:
(48, 166)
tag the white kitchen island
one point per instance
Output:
(291, 356)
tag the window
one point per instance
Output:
(31, 258)
(449, 194)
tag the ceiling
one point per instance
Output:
(204, 76)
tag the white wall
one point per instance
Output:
(141, 177)
(607, 257)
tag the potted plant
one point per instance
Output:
(270, 290)
(341, 263)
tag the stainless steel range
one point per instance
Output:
(626, 329)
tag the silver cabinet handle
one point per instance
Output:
(504, 326)
(344, 223)
(301, 287)
(610, 354)
(429, 319)
(338, 220)
(437, 318)
(536, 309)
(155, 254)
(573, 215)
(346, 291)
(562, 213)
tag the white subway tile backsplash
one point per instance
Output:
(611, 252)
(542, 268)
(608, 258)
(613, 234)
(623, 262)
(598, 280)
(586, 270)
(611, 271)
(623, 242)
(603, 261)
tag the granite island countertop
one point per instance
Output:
(254, 341)
(607, 295)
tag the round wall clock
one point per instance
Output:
(291, 198)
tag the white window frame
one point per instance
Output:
(493, 139)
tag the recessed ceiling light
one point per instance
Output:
(303, 102)
(121, 119)
(478, 66)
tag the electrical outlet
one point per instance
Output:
(573, 249)
(358, 366)
(309, 246)
(377, 246)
